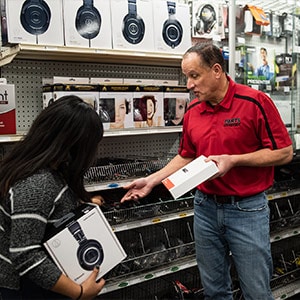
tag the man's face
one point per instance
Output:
(201, 79)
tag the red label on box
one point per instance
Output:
(8, 122)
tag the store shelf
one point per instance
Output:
(283, 194)
(285, 234)
(158, 272)
(154, 220)
(62, 53)
(287, 291)
(9, 138)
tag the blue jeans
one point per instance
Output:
(241, 229)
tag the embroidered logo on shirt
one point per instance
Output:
(232, 122)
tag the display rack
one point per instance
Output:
(26, 66)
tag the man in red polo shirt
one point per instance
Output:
(240, 129)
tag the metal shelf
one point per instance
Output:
(63, 53)
(287, 291)
(152, 221)
(158, 272)
(9, 138)
(284, 234)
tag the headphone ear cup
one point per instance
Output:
(35, 17)
(88, 22)
(90, 254)
(133, 28)
(172, 33)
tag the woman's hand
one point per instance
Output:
(91, 287)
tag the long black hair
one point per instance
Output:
(64, 137)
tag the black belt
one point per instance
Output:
(226, 199)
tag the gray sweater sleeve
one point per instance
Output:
(35, 202)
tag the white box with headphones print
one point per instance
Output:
(87, 23)
(172, 31)
(82, 240)
(35, 22)
(132, 25)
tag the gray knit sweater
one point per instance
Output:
(31, 204)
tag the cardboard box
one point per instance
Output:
(81, 240)
(87, 92)
(87, 24)
(7, 108)
(171, 20)
(190, 176)
(176, 99)
(115, 106)
(148, 106)
(35, 22)
(132, 25)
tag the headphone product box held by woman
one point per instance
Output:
(82, 240)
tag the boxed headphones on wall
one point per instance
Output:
(82, 240)
(87, 23)
(34, 22)
(172, 32)
(132, 24)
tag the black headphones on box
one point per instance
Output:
(172, 29)
(35, 16)
(89, 252)
(133, 27)
(88, 20)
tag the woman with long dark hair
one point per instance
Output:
(41, 180)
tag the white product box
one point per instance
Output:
(148, 106)
(138, 81)
(35, 22)
(70, 80)
(172, 31)
(87, 92)
(7, 108)
(47, 95)
(176, 99)
(132, 25)
(87, 24)
(106, 80)
(206, 19)
(81, 240)
(190, 176)
(115, 106)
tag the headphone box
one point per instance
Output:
(172, 33)
(148, 106)
(115, 106)
(132, 25)
(189, 176)
(87, 92)
(81, 240)
(87, 23)
(176, 99)
(35, 22)
(7, 108)
(206, 20)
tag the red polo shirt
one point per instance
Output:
(245, 121)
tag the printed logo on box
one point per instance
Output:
(7, 109)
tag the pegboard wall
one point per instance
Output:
(27, 76)
(146, 145)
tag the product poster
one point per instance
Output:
(259, 64)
